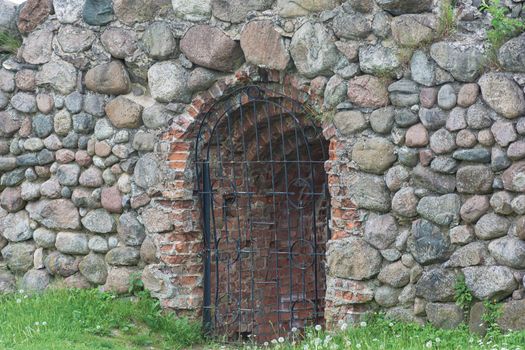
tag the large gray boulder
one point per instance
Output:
(464, 63)
(490, 282)
(313, 50)
(7, 15)
(353, 258)
(502, 94)
(510, 54)
(428, 244)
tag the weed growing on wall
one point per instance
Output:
(447, 20)
(503, 27)
(490, 316)
(463, 295)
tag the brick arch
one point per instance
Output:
(179, 250)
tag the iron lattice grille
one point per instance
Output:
(265, 209)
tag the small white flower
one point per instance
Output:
(274, 341)
(344, 326)
(391, 324)
(21, 291)
(280, 340)
(318, 327)
(438, 340)
(37, 324)
(266, 344)
(358, 346)
(363, 324)
(44, 323)
(428, 344)
(18, 301)
(294, 329)
(26, 296)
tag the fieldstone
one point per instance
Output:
(93, 267)
(99, 221)
(313, 50)
(131, 231)
(24, 102)
(118, 280)
(396, 275)
(404, 202)
(378, 59)
(72, 243)
(396, 177)
(368, 191)
(436, 285)
(500, 202)
(474, 208)
(84, 198)
(97, 12)
(143, 141)
(444, 164)
(44, 238)
(19, 256)
(200, 79)
(148, 251)
(33, 13)
(30, 191)
(509, 252)
(60, 264)
(478, 155)
(423, 72)
(59, 213)
(168, 82)
(514, 178)
(399, 7)
(16, 227)
(35, 280)
(386, 296)
(124, 113)
(132, 11)
(474, 179)
(123, 256)
(447, 97)
(414, 30)
(158, 41)
(404, 93)
(25, 80)
(351, 26)
(210, 47)
(353, 258)
(335, 92)
(67, 174)
(433, 119)
(263, 45)
(404, 117)
(14, 177)
(289, 8)
(502, 94)
(74, 39)
(37, 47)
(381, 231)
(98, 244)
(42, 125)
(108, 78)
(68, 11)
(490, 282)
(382, 120)
(59, 75)
(444, 315)
(461, 234)
(119, 42)
(472, 254)
(516, 150)
(464, 63)
(367, 91)
(491, 226)
(237, 11)
(428, 244)
(433, 181)
(478, 117)
(518, 204)
(11, 199)
(77, 281)
(467, 95)
(7, 164)
(442, 210)
(193, 10)
(511, 318)
(374, 155)
(147, 172)
(111, 199)
(442, 141)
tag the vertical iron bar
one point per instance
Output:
(206, 206)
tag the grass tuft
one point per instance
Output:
(9, 43)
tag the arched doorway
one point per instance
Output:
(265, 209)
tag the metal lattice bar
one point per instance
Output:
(263, 189)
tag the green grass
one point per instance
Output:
(9, 43)
(89, 319)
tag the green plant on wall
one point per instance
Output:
(447, 19)
(9, 43)
(503, 27)
(463, 295)
(490, 317)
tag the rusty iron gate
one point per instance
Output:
(265, 211)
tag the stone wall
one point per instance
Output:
(98, 116)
